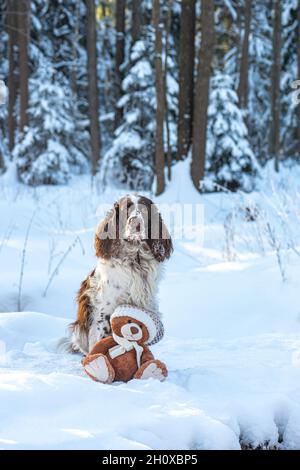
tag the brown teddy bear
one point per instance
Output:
(125, 355)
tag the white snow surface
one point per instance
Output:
(232, 341)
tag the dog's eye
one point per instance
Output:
(129, 321)
(129, 204)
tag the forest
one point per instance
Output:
(125, 89)
(193, 104)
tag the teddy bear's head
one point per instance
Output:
(136, 324)
(129, 328)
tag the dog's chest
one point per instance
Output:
(116, 283)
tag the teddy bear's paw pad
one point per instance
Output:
(98, 369)
(153, 371)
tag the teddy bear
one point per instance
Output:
(125, 354)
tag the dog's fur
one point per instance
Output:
(131, 244)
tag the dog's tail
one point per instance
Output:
(64, 344)
(76, 342)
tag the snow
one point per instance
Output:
(3, 92)
(232, 341)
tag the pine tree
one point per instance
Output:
(51, 149)
(227, 36)
(55, 142)
(289, 118)
(3, 108)
(260, 64)
(130, 158)
(105, 70)
(230, 160)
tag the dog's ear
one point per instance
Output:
(107, 234)
(159, 239)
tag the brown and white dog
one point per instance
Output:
(131, 244)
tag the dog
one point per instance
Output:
(131, 243)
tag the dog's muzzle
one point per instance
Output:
(135, 227)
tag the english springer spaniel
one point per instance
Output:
(131, 244)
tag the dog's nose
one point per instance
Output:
(134, 330)
(134, 223)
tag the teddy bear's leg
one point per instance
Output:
(98, 367)
(152, 369)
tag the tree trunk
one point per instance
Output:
(201, 97)
(186, 77)
(275, 88)
(120, 31)
(93, 96)
(13, 79)
(136, 20)
(75, 33)
(168, 133)
(298, 57)
(244, 67)
(2, 164)
(159, 85)
(238, 35)
(23, 39)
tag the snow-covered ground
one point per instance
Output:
(231, 312)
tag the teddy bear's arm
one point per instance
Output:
(102, 346)
(147, 355)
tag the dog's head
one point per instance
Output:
(133, 220)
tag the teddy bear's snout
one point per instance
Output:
(131, 331)
(134, 330)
